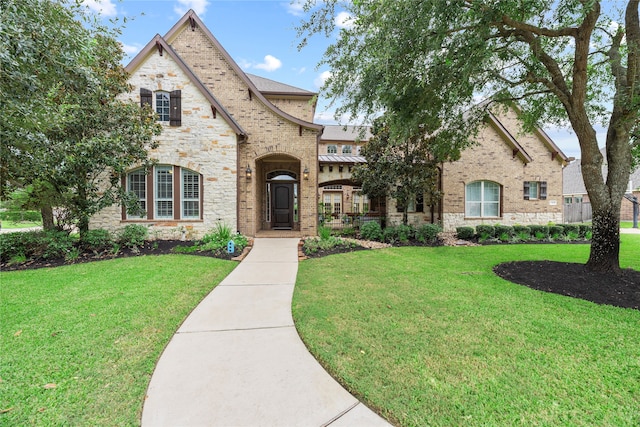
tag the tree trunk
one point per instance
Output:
(47, 217)
(605, 243)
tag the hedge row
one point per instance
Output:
(425, 233)
(34, 245)
(522, 232)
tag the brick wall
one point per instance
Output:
(493, 160)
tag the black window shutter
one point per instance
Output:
(175, 108)
(543, 190)
(526, 190)
(146, 97)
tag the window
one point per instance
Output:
(190, 194)
(332, 149)
(162, 106)
(482, 199)
(173, 196)
(168, 105)
(360, 202)
(535, 190)
(137, 184)
(333, 203)
(346, 149)
(568, 200)
(164, 191)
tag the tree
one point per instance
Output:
(563, 61)
(66, 132)
(401, 168)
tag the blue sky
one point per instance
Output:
(259, 35)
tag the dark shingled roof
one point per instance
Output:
(267, 86)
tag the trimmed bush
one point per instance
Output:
(404, 233)
(97, 240)
(520, 230)
(486, 231)
(574, 229)
(19, 216)
(428, 233)
(133, 235)
(390, 234)
(465, 233)
(539, 230)
(584, 230)
(36, 245)
(504, 230)
(556, 231)
(371, 231)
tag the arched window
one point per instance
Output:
(482, 199)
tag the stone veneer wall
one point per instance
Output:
(493, 160)
(203, 144)
(269, 134)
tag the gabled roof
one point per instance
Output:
(508, 138)
(191, 18)
(573, 181)
(163, 48)
(272, 87)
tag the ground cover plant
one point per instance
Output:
(80, 342)
(432, 336)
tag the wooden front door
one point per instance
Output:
(282, 205)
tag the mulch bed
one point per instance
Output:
(576, 281)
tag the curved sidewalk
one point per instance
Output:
(237, 360)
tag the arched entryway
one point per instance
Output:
(279, 183)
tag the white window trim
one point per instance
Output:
(156, 198)
(183, 198)
(163, 106)
(140, 199)
(482, 200)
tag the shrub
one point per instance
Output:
(523, 236)
(316, 244)
(17, 245)
(540, 231)
(19, 216)
(428, 233)
(583, 229)
(488, 231)
(504, 230)
(97, 240)
(504, 237)
(404, 233)
(371, 231)
(571, 228)
(572, 235)
(347, 232)
(57, 244)
(521, 230)
(465, 233)
(133, 235)
(324, 232)
(556, 231)
(390, 234)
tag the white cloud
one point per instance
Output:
(198, 6)
(271, 63)
(321, 79)
(131, 49)
(295, 7)
(300, 70)
(344, 20)
(244, 64)
(103, 7)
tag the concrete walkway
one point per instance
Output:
(237, 360)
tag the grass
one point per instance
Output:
(20, 224)
(430, 336)
(80, 342)
(626, 224)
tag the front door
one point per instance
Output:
(282, 205)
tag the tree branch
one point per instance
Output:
(539, 31)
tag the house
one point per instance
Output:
(576, 200)
(243, 150)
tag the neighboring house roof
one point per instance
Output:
(272, 87)
(334, 158)
(573, 182)
(191, 18)
(346, 133)
(163, 48)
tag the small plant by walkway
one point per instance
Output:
(80, 342)
(431, 336)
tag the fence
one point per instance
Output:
(336, 221)
(577, 212)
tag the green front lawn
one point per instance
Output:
(79, 343)
(430, 336)
(11, 225)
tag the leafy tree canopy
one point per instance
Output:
(563, 61)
